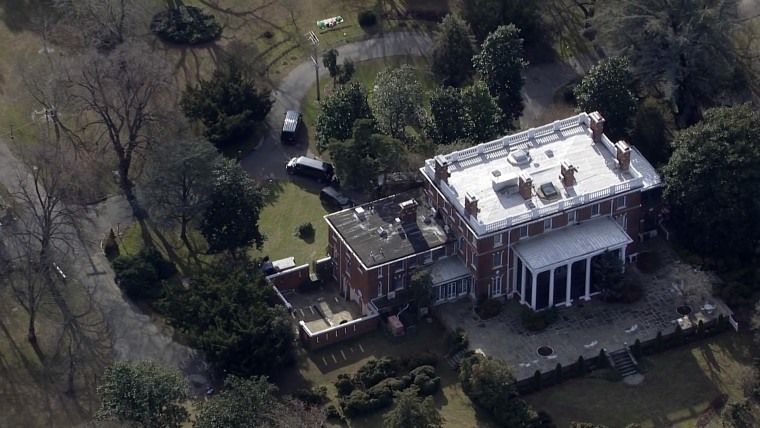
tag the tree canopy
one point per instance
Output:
(487, 15)
(412, 411)
(242, 403)
(145, 393)
(228, 105)
(605, 89)
(453, 46)
(397, 100)
(500, 64)
(361, 159)
(469, 115)
(708, 183)
(226, 313)
(178, 180)
(608, 275)
(339, 112)
(682, 50)
(230, 222)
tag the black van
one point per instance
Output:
(308, 167)
(331, 196)
(290, 126)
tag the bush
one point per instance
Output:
(111, 247)
(678, 336)
(489, 309)
(395, 383)
(426, 359)
(375, 371)
(333, 413)
(136, 277)
(537, 380)
(633, 292)
(457, 340)
(601, 359)
(580, 366)
(636, 349)
(536, 321)
(313, 396)
(425, 379)
(304, 231)
(186, 25)
(658, 345)
(558, 375)
(164, 268)
(367, 18)
(344, 385)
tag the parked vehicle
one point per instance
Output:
(313, 168)
(290, 126)
(332, 196)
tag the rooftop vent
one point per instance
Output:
(504, 181)
(548, 191)
(360, 213)
(519, 157)
(382, 232)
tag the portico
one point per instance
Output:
(555, 268)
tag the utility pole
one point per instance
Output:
(315, 59)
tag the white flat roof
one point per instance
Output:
(569, 243)
(473, 171)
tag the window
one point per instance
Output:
(439, 293)
(497, 240)
(398, 283)
(571, 216)
(523, 232)
(399, 266)
(496, 286)
(348, 263)
(594, 210)
(413, 262)
(379, 288)
(474, 260)
(497, 256)
(429, 257)
(548, 224)
(620, 202)
(380, 272)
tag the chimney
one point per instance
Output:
(567, 173)
(623, 155)
(597, 126)
(526, 185)
(408, 211)
(441, 169)
(470, 205)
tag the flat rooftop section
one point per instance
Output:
(375, 235)
(474, 171)
(572, 242)
(322, 308)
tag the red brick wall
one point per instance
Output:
(337, 334)
(291, 278)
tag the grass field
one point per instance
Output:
(323, 366)
(678, 388)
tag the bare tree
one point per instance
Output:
(293, 7)
(116, 95)
(104, 24)
(294, 413)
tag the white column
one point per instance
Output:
(551, 287)
(522, 284)
(533, 292)
(568, 285)
(622, 256)
(513, 285)
(587, 296)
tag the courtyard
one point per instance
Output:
(322, 307)
(587, 327)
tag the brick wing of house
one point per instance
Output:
(522, 216)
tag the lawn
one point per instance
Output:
(678, 388)
(322, 367)
(366, 72)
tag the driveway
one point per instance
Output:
(268, 161)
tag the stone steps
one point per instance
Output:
(623, 363)
(455, 359)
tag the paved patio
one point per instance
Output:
(322, 308)
(587, 327)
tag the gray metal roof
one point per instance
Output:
(571, 242)
(447, 269)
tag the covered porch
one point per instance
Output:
(450, 280)
(555, 268)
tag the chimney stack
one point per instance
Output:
(408, 211)
(470, 205)
(567, 173)
(623, 155)
(442, 169)
(526, 185)
(597, 126)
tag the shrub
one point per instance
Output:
(304, 231)
(580, 365)
(457, 340)
(536, 321)
(312, 396)
(489, 308)
(601, 359)
(136, 277)
(367, 18)
(374, 371)
(185, 25)
(164, 268)
(426, 359)
(344, 385)
(425, 379)
(678, 336)
(700, 330)
(111, 247)
(395, 383)
(636, 349)
(558, 375)
(333, 413)
(633, 292)
(537, 380)
(658, 345)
